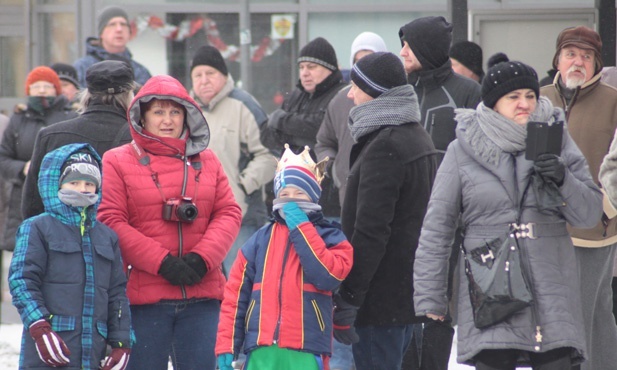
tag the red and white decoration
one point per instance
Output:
(190, 27)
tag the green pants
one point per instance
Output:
(275, 358)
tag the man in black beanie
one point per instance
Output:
(426, 46)
(102, 124)
(466, 57)
(114, 32)
(393, 164)
(300, 116)
(234, 117)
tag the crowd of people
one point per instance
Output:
(142, 233)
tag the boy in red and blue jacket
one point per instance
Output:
(278, 300)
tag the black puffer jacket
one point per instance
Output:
(16, 149)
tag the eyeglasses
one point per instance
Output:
(42, 86)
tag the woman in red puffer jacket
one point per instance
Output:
(168, 199)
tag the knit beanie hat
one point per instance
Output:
(378, 72)
(319, 51)
(429, 38)
(209, 56)
(109, 77)
(107, 14)
(505, 77)
(468, 54)
(80, 166)
(366, 41)
(581, 37)
(496, 59)
(66, 72)
(300, 178)
(46, 74)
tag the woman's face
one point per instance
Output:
(164, 118)
(517, 105)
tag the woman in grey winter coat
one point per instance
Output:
(482, 179)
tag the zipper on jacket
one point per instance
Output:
(525, 271)
(320, 319)
(180, 238)
(280, 292)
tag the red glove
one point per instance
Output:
(117, 359)
(51, 348)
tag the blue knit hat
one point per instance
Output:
(300, 178)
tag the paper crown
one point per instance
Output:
(304, 160)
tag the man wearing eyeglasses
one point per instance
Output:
(45, 106)
(114, 33)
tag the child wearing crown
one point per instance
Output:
(278, 300)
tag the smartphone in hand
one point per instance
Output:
(543, 138)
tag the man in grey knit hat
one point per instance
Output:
(114, 32)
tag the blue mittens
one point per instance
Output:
(294, 216)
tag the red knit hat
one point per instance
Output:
(43, 73)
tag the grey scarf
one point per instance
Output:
(305, 205)
(490, 134)
(395, 107)
(77, 199)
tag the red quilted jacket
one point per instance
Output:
(132, 204)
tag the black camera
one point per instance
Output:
(180, 209)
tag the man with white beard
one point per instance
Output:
(591, 113)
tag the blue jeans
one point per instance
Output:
(381, 347)
(246, 231)
(342, 356)
(184, 330)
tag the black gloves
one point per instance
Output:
(177, 272)
(197, 263)
(344, 318)
(550, 167)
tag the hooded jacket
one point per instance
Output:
(96, 53)
(592, 120)
(67, 269)
(486, 198)
(16, 149)
(439, 89)
(133, 203)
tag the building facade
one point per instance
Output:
(271, 32)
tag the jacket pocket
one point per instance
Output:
(249, 312)
(320, 320)
(62, 323)
(101, 327)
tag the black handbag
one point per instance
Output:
(497, 285)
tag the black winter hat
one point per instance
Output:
(209, 56)
(505, 77)
(321, 52)
(107, 14)
(80, 166)
(66, 72)
(378, 72)
(109, 77)
(429, 38)
(468, 54)
(496, 59)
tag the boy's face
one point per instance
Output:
(292, 192)
(81, 186)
